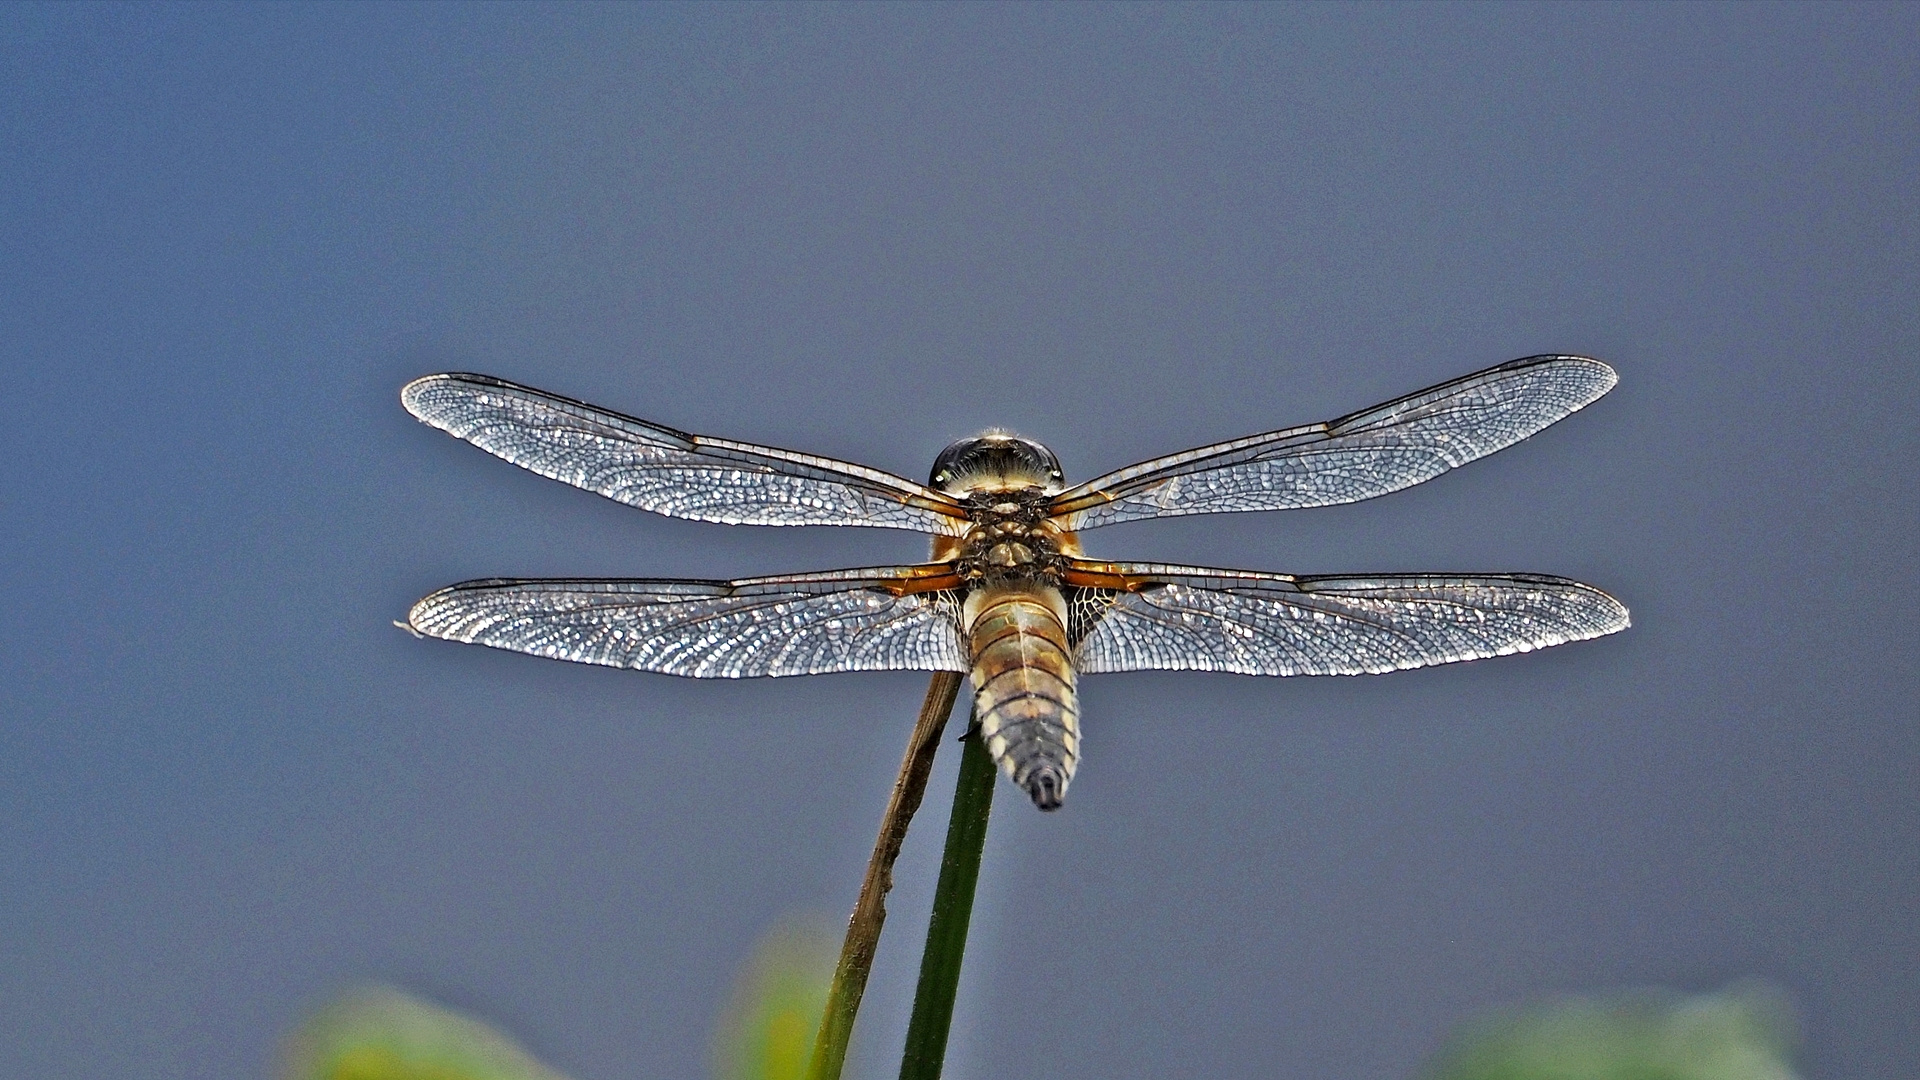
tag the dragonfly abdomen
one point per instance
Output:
(1023, 686)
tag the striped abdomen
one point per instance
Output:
(1023, 695)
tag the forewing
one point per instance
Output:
(1142, 616)
(671, 472)
(879, 619)
(1368, 453)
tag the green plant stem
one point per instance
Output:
(952, 911)
(870, 911)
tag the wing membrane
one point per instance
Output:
(878, 619)
(1359, 456)
(671, 472)
(1143, 616)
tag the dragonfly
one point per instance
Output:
(1008, 596)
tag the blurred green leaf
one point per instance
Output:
(768, 1030)
(380, 1033)
(1743, 1033)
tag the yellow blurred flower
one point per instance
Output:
(379, 1033)
(768, 1029)
(1743, 1033)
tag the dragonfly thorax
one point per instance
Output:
(1011, 538)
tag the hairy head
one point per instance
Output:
(996, 461)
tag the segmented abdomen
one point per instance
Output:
(1023, 694)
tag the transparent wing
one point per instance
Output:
(1143, 616)
(1368, 453)
(671, 472)
(879, 619)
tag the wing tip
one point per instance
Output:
(1623, 619)
(1605, 378)
(1601, 377)
(1611, 616)
(414, 395)
(420, 621)
(417, 622)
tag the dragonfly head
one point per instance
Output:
(996, 461)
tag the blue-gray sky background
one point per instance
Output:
(229, 787)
